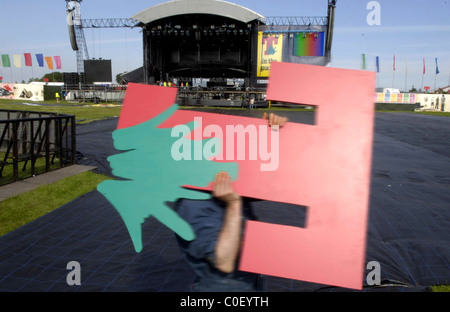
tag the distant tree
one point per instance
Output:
(33, 79)
(119, 79)
(53, 77)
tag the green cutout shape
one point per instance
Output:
(154, 177)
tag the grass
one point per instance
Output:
(7, 175)
(441, 288)
(22, 209)
(83, 114)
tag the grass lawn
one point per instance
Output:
(18, 211)
(83, 113)
(24, 208)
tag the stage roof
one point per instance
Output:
(183, 7)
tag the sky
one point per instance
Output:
(409, 29)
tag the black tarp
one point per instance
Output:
(408, 231)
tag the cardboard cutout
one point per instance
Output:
(324, 166)
(329, 173)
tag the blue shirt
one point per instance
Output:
(206, 218)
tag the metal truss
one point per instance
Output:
(109, 23)
(82, 52)
(296, 20)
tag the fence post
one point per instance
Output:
(47, 144)
(15, 146)
(73, 140)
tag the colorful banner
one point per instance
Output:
(406, 98)
(28, 61)
(16, 91)
(17, 60)
(57, 62)
(5, 60)
(399, 98)
(379, 97)
(49, 61)
(309, 44)
(394, 97)
(270, 49)
(40, 59)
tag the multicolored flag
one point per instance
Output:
(28, 61)
(5, 60)
(49, 61)
(17, 60)
(57, 62)
(40, 59)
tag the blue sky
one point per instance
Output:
(410, 29)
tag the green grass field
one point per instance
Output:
(83, 114)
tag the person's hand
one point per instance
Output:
(223, 189)
(275, 120)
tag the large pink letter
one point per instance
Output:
(328, 168)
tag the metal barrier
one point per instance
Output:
(32, 143)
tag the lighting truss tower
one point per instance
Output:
(76, 33)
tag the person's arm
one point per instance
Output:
(275, 120)
(229, 239)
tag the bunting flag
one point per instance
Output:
(57, 62)
(40, 59)
(309, 44)
(28, 61)
(424, 66)
(17, 60)
(5, 60)
(437, 68)
(49, 61)
(377, 62)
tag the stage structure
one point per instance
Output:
(76, 32)
(216, 50)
